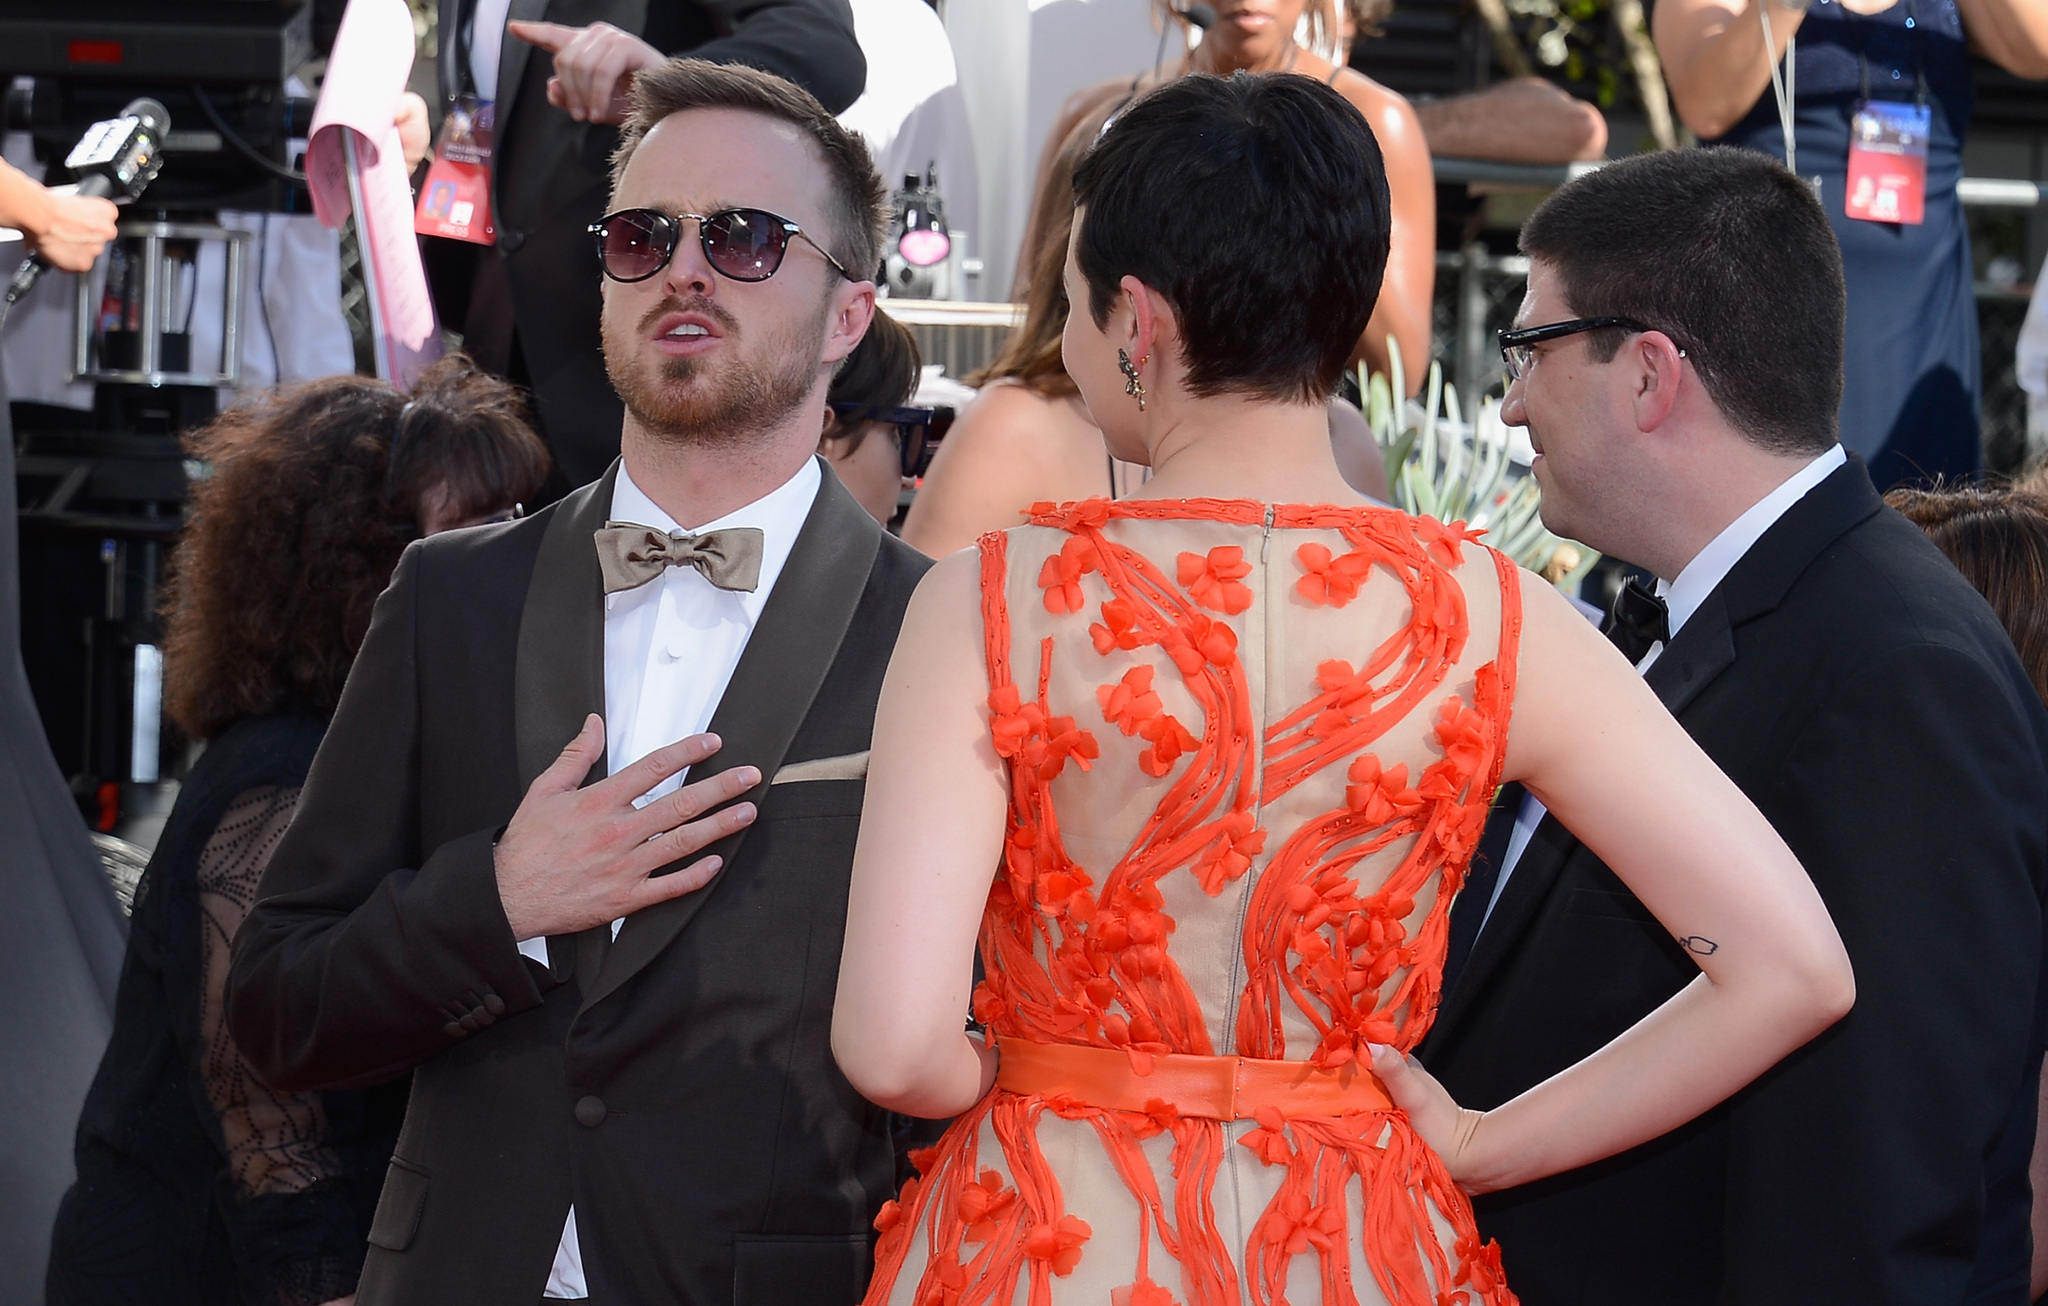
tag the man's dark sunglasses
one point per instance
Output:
(1515, 346)
(743, 244)
(918, 430)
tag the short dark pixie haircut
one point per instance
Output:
(1731, 256)
(1257, 205)
(859, 204)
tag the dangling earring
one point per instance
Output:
(1132, 385)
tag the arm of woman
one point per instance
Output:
(1714, 59)
(2010, 33)
(67, 230)
(931, 835)
(1404, 304)
(292, 1229)
(1003, 454)
(1592, 742)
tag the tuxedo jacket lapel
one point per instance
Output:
(792, 647)
(558, 675)
(1527, 888)
(558, 667)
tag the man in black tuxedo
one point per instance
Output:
(623, 1087)
(557, 72)
(1838, 669)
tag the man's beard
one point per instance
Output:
(683, 401)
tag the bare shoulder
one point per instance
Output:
(1013, 420)
(1386, 110)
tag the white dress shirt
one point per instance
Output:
(486, 44)
(1682, 598)
(670, 647)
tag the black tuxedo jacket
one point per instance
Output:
(680, 1090)
(550, 178)
(1867, 700)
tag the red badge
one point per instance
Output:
(456, 200)
(1888, 161)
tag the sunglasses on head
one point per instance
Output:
(742, 244)
(918, 430)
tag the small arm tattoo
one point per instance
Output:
(1698, 946)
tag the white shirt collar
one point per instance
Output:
(779, 514)
(1684, 595)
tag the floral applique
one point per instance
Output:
(983, 1204)
(1059, 1244)
(1061, 575)
(1023, 732)
(1117, 629)
(1269, 1140)
(1142, 1293)
(1217, 580)
(1239, 841)
(1332, 579)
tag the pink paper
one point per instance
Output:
(366, 74)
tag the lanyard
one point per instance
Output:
(1919, 58)
(1785, 87)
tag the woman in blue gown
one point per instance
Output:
(1913, 378)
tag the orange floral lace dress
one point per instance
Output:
(1250, 753)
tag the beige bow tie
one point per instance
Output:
(630, 555)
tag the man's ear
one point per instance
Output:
(853, 308)
(1657, 371)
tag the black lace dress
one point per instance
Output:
(196, 1184)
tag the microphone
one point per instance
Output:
(1200, 15)
(115, 159)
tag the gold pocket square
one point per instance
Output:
(851, 766)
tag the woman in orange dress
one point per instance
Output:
(1200, 771)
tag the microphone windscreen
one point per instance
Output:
(1200, 15)
(152, 114)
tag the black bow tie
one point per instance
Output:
(1638, 620)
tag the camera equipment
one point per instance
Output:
(97, 85)
(218, 66)
(920, 263)
(116, 159)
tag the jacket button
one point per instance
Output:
(510, 241)
(453, 1030)
(494, 1004)
(590, 1112)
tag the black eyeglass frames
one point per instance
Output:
(742, 244)
(1515, 346)
(918, 430)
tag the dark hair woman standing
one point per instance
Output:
(197, 1184)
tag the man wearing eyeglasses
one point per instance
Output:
(1678, 364)
(613, 981)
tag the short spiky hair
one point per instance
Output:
(859, 210)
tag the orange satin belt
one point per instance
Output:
(1219, 1088)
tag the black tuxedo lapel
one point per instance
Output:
(450, 16)
(558, 672)
(513, 57)
(786, 658)
(1527, 889)
(1468, 911)
(558, 678)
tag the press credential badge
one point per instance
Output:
(456, 200)
(1888, 161)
